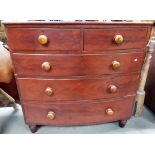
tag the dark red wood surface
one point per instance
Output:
(86, 112)
(77, 65)
(77, 89)
(102, 39)
(58, 39)
(81, 55)
(69, 37)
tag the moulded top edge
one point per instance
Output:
(76, 22)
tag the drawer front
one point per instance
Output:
(103, 39)
(78, 114)
(77, 89)
(57, 39)
(76, 65)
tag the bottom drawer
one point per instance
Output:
(78, 113)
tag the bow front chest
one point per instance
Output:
(77, 73)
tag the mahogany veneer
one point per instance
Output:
(83, 112)
(77, 65)
(59, 39)
(77, 73)
(101, 39)
(77, 89)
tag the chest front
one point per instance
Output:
(77, 73)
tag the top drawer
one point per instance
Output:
(114, 39)
(50, 39)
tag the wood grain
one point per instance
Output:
(58, 39)
(81, 55)
(77, 89)
(77, 65)
(102, 39)
(84, 113)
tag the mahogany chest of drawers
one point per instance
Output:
(77, 73)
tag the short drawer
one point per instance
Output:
(114, 39)
(52, 39)
(77, 89)
(77, 65)
(82, 113)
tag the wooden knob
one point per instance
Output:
(51, 115)
(116, 65)
(118, 39)
(112, 89)
(109, 111)
(43, 39)
(46, 66)
(49, 91)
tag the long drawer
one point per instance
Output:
(106, 39)
(81, 113)
(57, 39)
(77, 65)
(77, 89)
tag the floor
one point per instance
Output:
(12, 122)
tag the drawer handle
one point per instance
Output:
(116, 65)
(49, 91)
(113, 89)
(51, 115)
(109, 112)
(43, 39)
(118, 39)
(46, 66)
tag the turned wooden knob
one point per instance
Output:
(49, 91)
(43, 39)
(113, 89)
(116, 65)
(109, 111)
(51, 115)
(46, 66)
(118, 39)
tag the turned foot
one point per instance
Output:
(122, 123)
(33, 128)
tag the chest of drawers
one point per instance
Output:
(77, 73)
